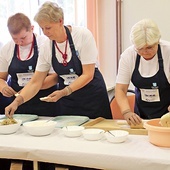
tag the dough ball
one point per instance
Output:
(165, 120)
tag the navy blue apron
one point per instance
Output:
(150, 110)
(4, 102)
(91, 100)
(33, 106)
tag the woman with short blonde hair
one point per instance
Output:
(72, 53)
(50, 12)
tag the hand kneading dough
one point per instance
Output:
(165, 120)
(139, 126)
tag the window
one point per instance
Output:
(74, 13)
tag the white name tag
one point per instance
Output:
(150, 95)
(24, 78)
(69, 78)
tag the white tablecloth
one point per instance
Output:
(134, 154)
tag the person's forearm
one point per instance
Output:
(50, 80)
(84, 79)
(80, 82)
(123, 104)
(33, 86)
(122, 101)
(29, 91)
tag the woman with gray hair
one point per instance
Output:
(146, 64)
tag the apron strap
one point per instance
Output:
(72, 47)
(160, 60)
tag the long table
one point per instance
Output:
(135, 153)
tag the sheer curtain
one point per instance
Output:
(74, 12)
(92, 19)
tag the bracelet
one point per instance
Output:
(16, 94)
(21, 100)
(69, 90)
(126, 111)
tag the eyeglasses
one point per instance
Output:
(147, 49)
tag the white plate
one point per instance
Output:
(25, 117)
(70, 120)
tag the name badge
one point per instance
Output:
(69, 78)
(24, 78)
(150, 95)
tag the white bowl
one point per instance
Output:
(39, 127)
(93, 134)
(117, 137)
(73, 131)
(9, 129)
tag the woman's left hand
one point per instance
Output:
(55, 96)
(132, 118)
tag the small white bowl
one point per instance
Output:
(9, 129)
(73, 131)
(93, 134)
(118, 136)
(39, 127)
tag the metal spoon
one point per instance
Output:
(111, 133)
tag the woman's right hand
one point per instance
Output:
(7, 91)
(10, 109)
(132, 118)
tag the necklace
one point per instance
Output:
(64, 55)
(29, 55)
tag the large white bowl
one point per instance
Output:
(116, 136)
(9, 129)
(39, 127)
(73, 131)
(93, 134)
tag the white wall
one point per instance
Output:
(132, 12)
(135, 10)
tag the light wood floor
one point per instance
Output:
(18, 166)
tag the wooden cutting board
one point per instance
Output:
(111, 124)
